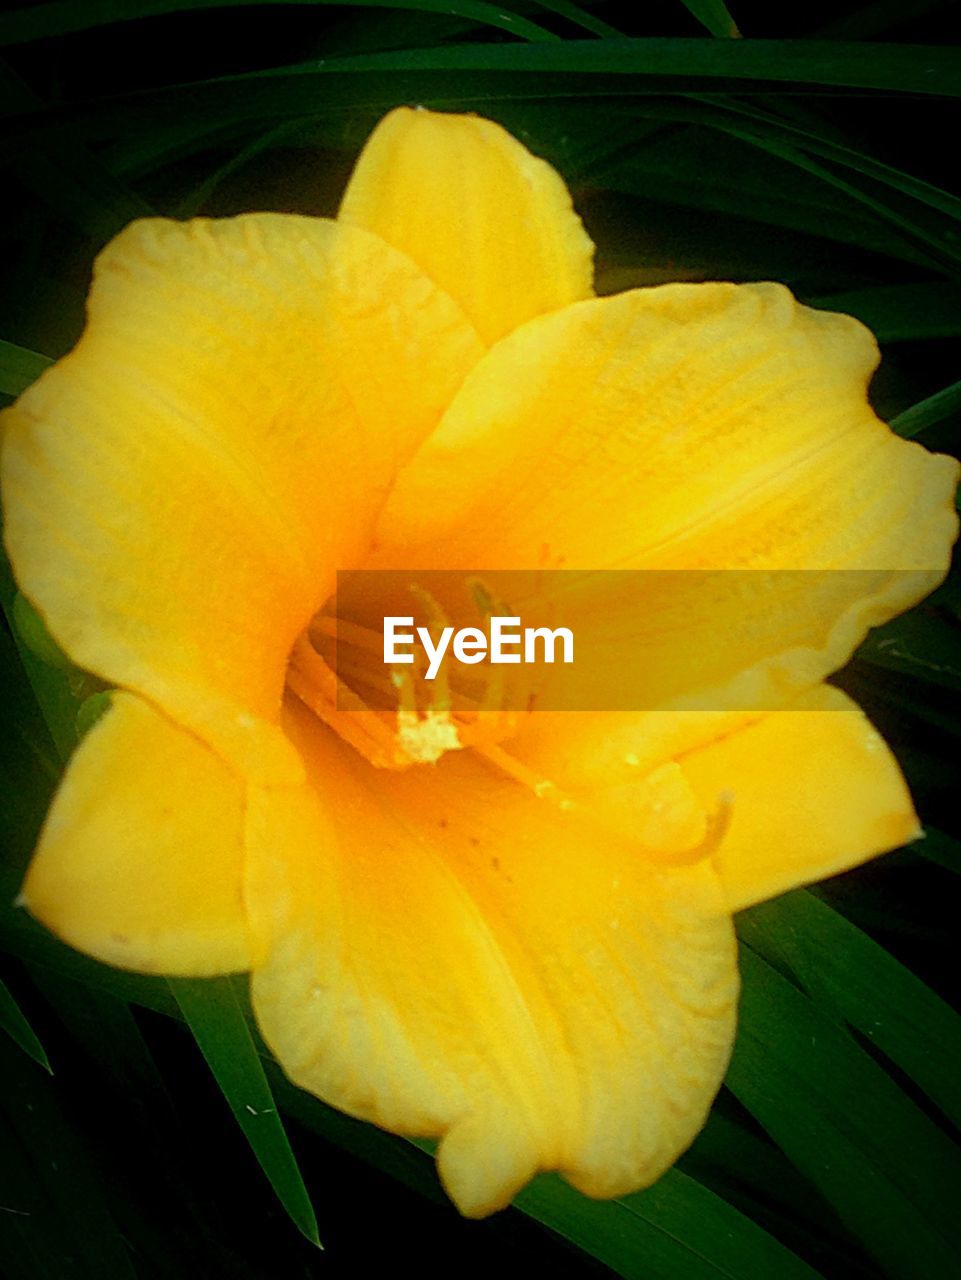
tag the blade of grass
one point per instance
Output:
(714, 15)
(715, 171)
(191, 206)
(726, 1147)
(787, 139)
(474, 74)
(870, 684)
(19, 367)
(58, 691)
(927, 69)
(19, 1029)
(573, 13)
(214, 1015)
(64, 17)
(107, 1030)
(73, 1200)
(901, 312)
(768, 126)
(748, 1171)
(676, 1230)
(852, 977)
(941, 849)
(924, 645)
(891, 1174)
(33, 1245)
(29, 762)
(58, 170)
(934, 239)
(927, 413)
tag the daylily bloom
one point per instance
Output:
(436, 944)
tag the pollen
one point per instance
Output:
(424, 739)
(394, 720)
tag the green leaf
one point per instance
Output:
(924, 644)
(105, 1026)
(476, 74)
(31, 630)
(714, 15)
(91, 710)
(58, 690)
(19, 367)
(873, 685)
(16, 1025)
(748, 119)
(906, 68)
(710, 168)
(676, 1230)
(216, 1018)
(62, 17)
(933, 238)
(890, 1174)
(902, 312)
(574, 13)
(940, 848)
(61, 1193)
(29, 762)
(848, 974)
(62, 174)
(928, 413)
(287, 131)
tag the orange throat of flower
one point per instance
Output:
(394, 718)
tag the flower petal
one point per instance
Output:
(688, 427)
(808, 791)
(446, 954)
(180, 489)
(139, 862)
(814, 790)
(490, 223)
(710, 426)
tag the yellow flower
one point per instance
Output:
(429, 382)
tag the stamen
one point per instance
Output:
(334, 702)
(351, 633)
(419, 722)
(437, 620)
(543, 788)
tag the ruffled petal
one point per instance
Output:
(813, 792)
(686, 431)
(446, 954)
(139, 862)
(490, 223)
(709, 426)
(181, 488)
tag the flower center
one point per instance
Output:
(395, 717)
